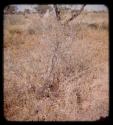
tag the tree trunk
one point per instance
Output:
(57, 11)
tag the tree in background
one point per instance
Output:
(42, 8)
(10, 9)
(27, 11)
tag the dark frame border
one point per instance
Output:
(2, 6)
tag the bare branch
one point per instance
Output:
(74, 15)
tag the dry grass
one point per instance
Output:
(54, 72)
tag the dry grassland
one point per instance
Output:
(55, 72)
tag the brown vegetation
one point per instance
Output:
(55, 72)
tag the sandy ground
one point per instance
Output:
(54, 72)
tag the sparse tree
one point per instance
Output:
(53, 74)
